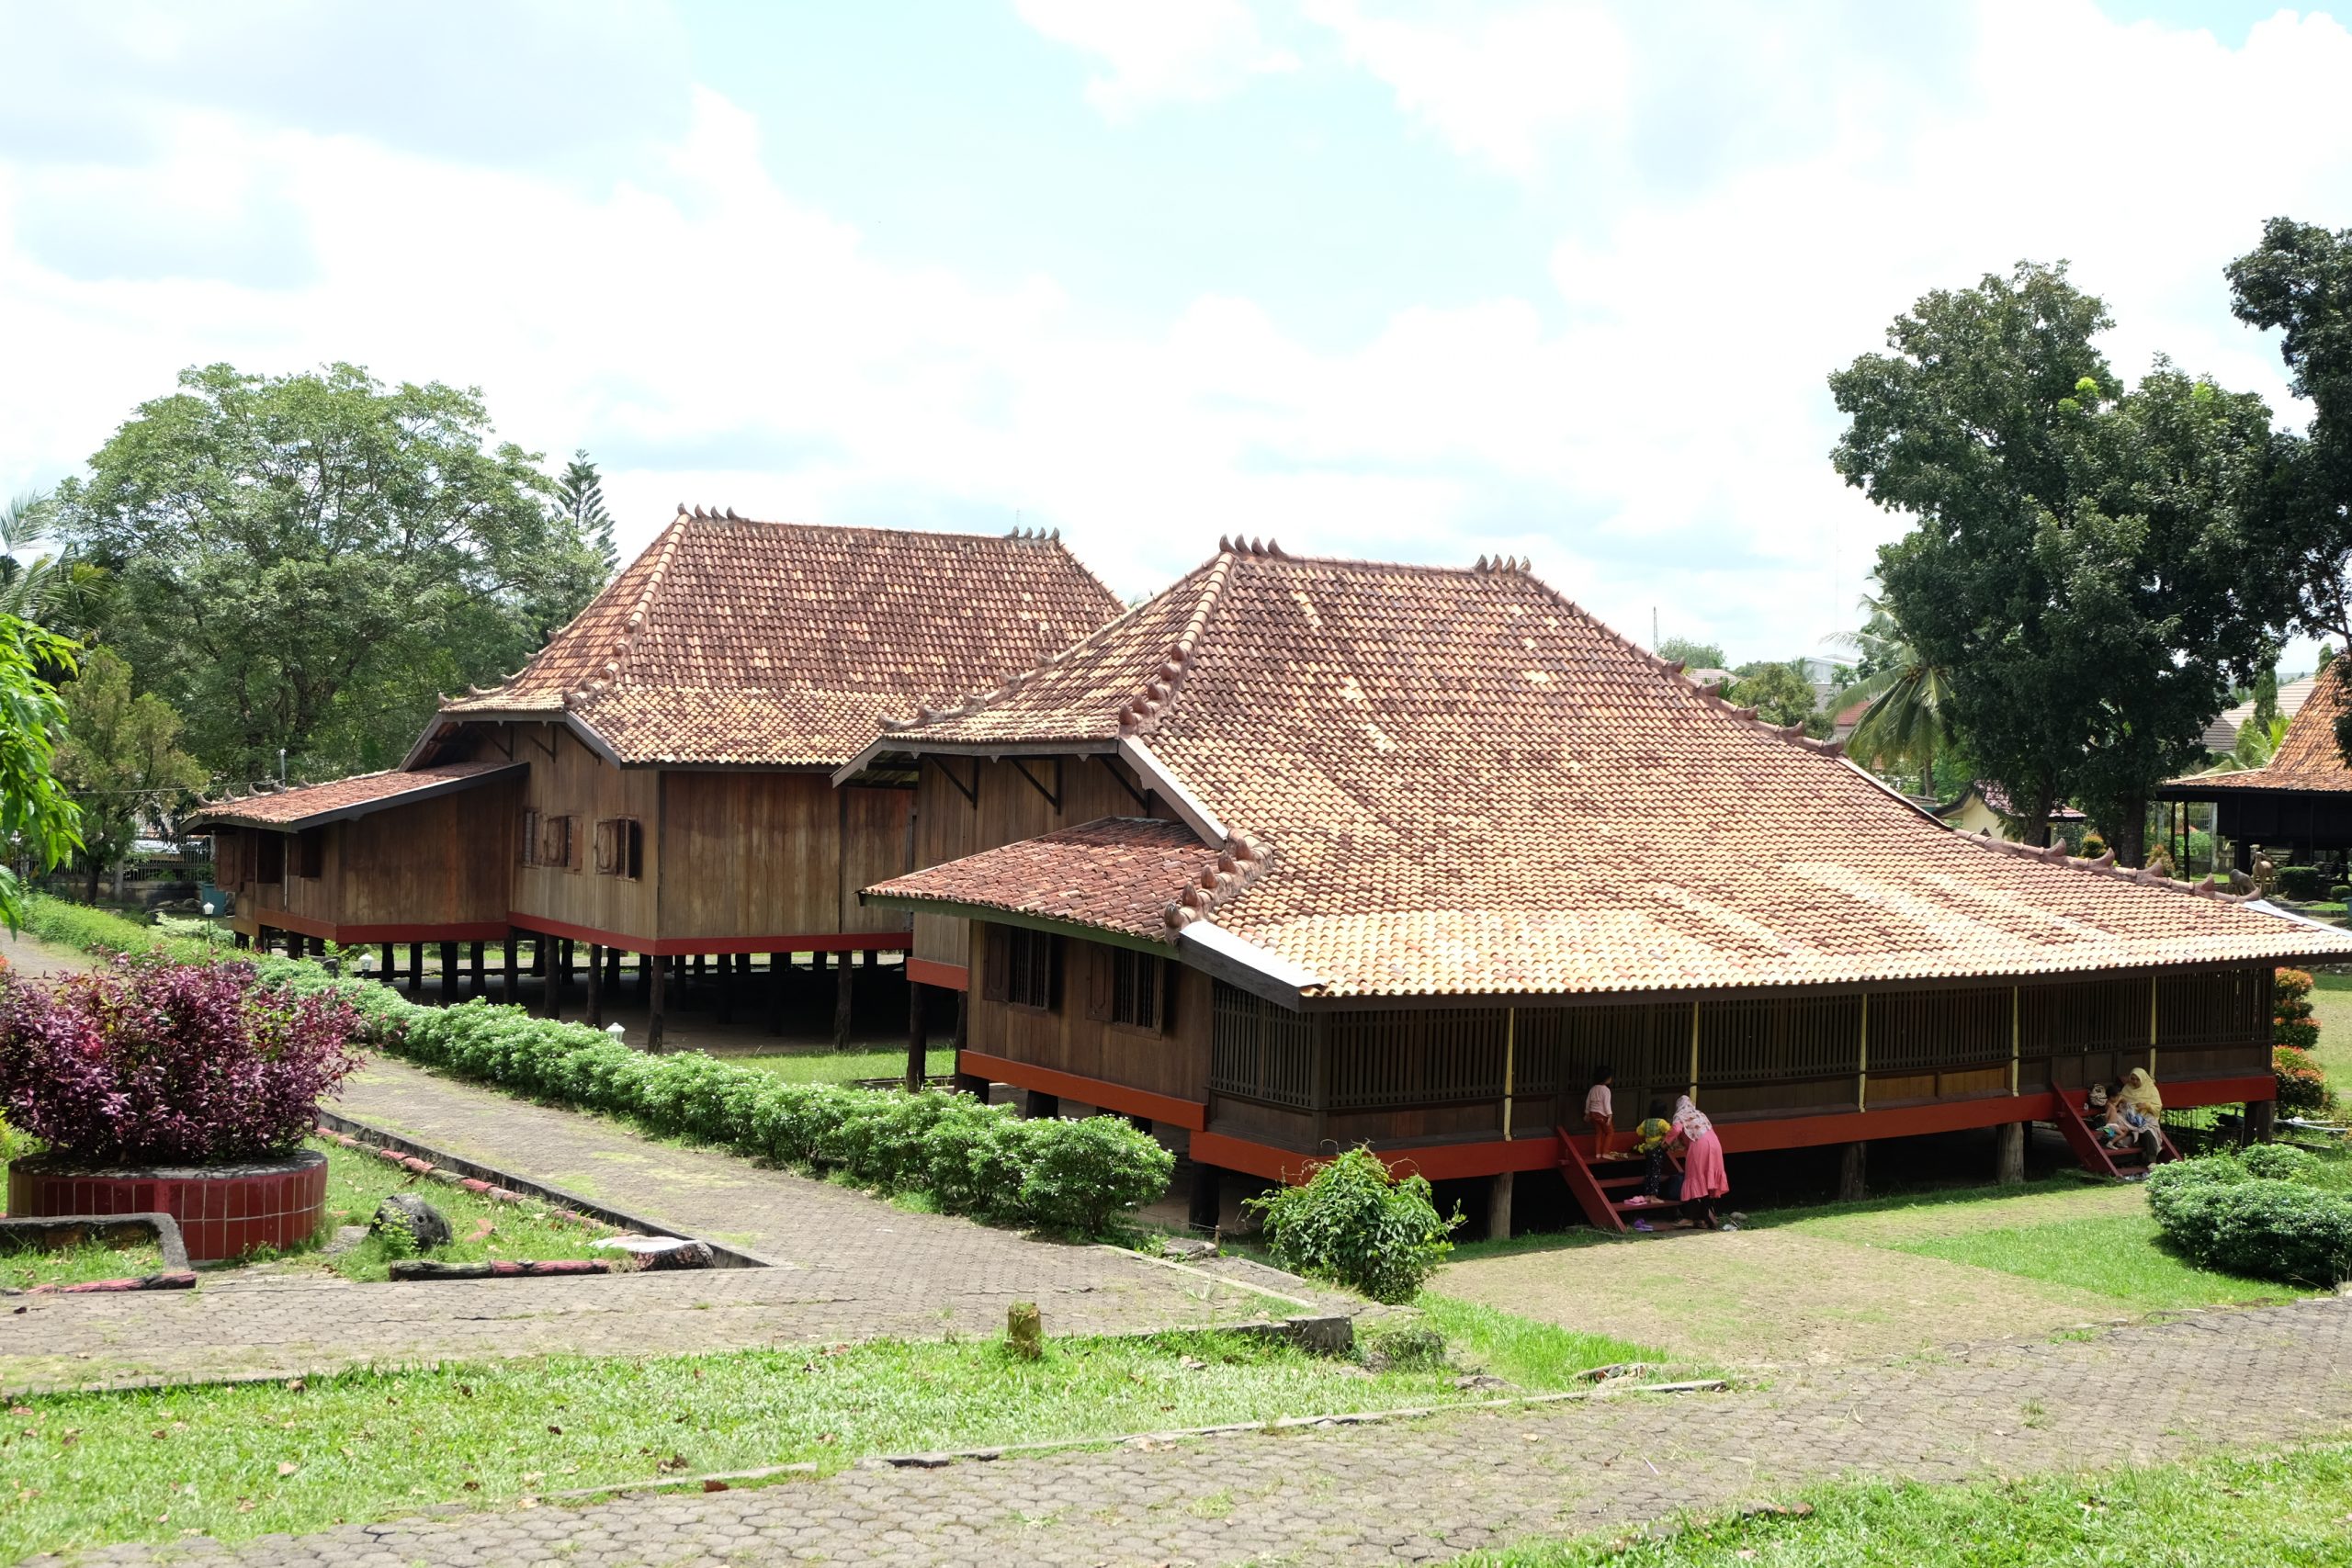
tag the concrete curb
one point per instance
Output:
(722, 1255)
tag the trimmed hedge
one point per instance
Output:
(1069, 1177)
(2254, 1217)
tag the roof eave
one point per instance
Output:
(1109, 936)
(227, 817)
(899, 746)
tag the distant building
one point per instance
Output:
(2221, 735)
(1985, 808)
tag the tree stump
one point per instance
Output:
(1026, 1330)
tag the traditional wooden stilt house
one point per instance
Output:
(1305, 853)
(2298, 806)
(414, 858)
(665, 757)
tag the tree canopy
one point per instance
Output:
(1692, 654)
(2082, 566)
(306, 561)
(38, 821)
(1777, 691)
(120, 760)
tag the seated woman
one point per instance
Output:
(1703, 1178)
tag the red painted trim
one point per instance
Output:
(1447, 1162)
(931, 972)
(364, 935)
(674, 946)
(1176, 1112)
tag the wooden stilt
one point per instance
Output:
(391, 973)
(1039, 1106)
(918, 1037)
(843, 985)
(613, 972)
(1853, 1173)
(509, 982)
(416, 971)
(963, 1019)
(595, 986)
(653, 1020)
(558, 977)
(2262, 1120)
(645, 963)
(725, 988)
(1498, 1207)
(1207, 1207)
(480, 988)
(2008, 1158)
(450, 983)
(778, 964)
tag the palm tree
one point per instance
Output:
(1909, 698)
(59, 592)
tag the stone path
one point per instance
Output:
(846, 1267)
(1430, 1489)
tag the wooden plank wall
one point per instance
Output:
(448, 860)
(568, 779)
(1175, 1063)
(755, 854)
(949, 825)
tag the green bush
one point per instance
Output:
(2278, 1162)
(2307, 882)
(1356, 1222)
(2225, 1214)
(1074, 1178)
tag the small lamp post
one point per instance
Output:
(211, 931)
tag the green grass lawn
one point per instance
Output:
(2120, 1256)
(237, 1461)
(358, 1182)
(2331, 1010)
(844, 1067)
(73, 1265)
(2290, 1507)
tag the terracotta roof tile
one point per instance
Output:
(2307, 758)
(353, 796)
(1465, 784)
(782, 644)
(1116, 872)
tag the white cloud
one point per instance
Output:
(1653, 431)
(1159, 51)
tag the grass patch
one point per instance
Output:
(2120, 1256)
(2331, 1000)
(480, 1229)
(2294, 1506)
(73, 1265)
(844, 1067)
(85, 1470)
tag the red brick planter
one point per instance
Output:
(224, 1211)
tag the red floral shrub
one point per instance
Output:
(168, 1064)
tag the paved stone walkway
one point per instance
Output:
(1430, 1489)
(846, 1267)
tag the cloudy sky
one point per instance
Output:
(1423, 281)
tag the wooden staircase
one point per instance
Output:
(2120, 1164)
(1603, 1186)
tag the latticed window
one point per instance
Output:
(1260, 1050)
(1139, 989)
(1020, 967)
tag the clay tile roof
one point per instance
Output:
(1457, 781)
(355, 796)
(781, 644)
(2307, 758)
(1116, 872)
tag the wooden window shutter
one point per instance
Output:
(527, 849)
(269, 864)
(997, 984)
(1101, 964)
(311, 852)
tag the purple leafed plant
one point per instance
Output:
(168, 1064)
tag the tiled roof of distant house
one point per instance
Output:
(310, 805)
(2307, 759)
(730, 641)
(1997, 800)
(2223, 733)
(1413, 781)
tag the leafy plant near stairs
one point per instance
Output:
(1356, 1221)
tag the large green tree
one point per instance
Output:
(1777, 693)
(580, 500)
(120, 761)
(38, 821)
(307, 560)
(2081, 565)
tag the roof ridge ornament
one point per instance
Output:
(1241, 863)
(2056, 853)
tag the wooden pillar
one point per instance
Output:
(653, 977)
(1498, 1207)
(559, 977)
(448, 972)
(1039, 1106)
(596, 985)
(842, 986)
(481, 987)
(778, 963)
(1853, 1174)
(963, 1019)
(725, 988)
(646, 964)
(873, 959)
(417, 970)
(2262, 1120)
(918, 1036)
(538, 953)
(1207, 1208)
(392, 974)
(509, 982)
(974, 1085)
(240, 940)
(613, 972)
(2009, 1163)
(699, 970)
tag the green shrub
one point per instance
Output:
(2302, 1085)
(1356, 1222)
(2278, 1162)
(2306, 883)
(1075, 1178)
(2173, 1188)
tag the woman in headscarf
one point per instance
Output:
(2142, 1110)
(1703, 1180)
